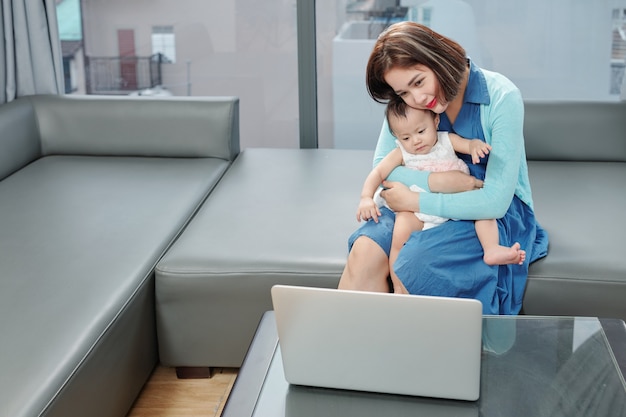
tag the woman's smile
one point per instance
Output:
(417, 86)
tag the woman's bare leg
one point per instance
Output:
(367, 267)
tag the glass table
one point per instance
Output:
(531, 366)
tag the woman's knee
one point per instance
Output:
(366, 251)
(367, 267)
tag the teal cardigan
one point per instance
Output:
(502, 120)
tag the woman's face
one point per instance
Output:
(418, 87)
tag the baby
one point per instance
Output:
(421, 146)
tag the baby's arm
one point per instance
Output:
(476, 148)
(367, 207)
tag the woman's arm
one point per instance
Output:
(503, 122)
(436, 182)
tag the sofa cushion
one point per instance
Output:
(167, 126)
(264, 225)
(81, 236)
(581, 205)
(279, 216)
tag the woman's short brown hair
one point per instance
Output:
(406, 44)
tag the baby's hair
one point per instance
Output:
(396, 107)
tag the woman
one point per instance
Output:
(429, 71)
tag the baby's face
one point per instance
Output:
(417, 132)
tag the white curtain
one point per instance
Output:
(30, 56)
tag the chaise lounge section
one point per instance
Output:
(93, 191)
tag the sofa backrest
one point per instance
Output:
(19, 136)
(138, 125)
(575, 131)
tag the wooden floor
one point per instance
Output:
(164, 395)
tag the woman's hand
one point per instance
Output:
(399, 197)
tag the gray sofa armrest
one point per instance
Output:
(19, 140)
(138, 126)
(575, 131)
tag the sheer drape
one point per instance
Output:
(30, 56)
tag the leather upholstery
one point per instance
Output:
(285, 216)
(277, 216)
(82, 228)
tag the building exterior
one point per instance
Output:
(209, 48)
(70, 34)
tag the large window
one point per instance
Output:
(199, 48)
(557, 50)
(552, 50)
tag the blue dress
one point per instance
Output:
(448, 260)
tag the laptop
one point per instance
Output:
(386, 343)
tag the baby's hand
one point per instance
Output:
(367, 210)
(478, 149)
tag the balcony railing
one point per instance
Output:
(122, 75)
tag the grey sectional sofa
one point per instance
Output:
(93, 191)
(284, 216)
(132, 230)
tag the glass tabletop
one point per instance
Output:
(530, 366)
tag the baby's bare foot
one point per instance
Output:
(502, 255)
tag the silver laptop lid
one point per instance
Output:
(388, 343)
